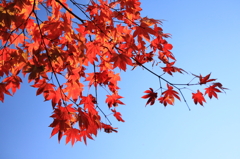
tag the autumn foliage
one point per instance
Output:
(65, 47)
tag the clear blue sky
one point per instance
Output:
(206, 38)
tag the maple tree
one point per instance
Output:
(46, 40)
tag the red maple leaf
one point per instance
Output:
(55, 96)
(204, 80)
(63, 113)
(85, 134)
(144, 29)
(198, 97)
(72, 134)
(170, 92)
(168, 46)
(3, 90)
(74, 89)
(219, 85)
(166, 100)
(113, 100)
(170, 68)
(43, 87)
(151, 95)
(117, 115)
(89, 102)
(13, 82)
(168, 96)
(108, 128)
(98, 78)
(212, 91)
(121, 61)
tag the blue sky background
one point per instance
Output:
(206, 38)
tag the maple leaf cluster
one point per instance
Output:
(169, 95)
(85, 47)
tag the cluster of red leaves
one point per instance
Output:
(168, 96)
(109, 35)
